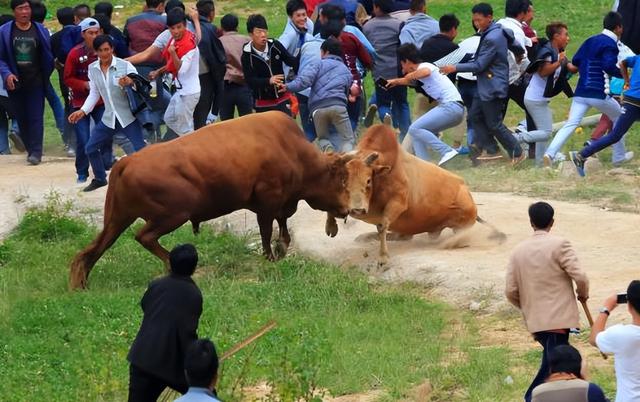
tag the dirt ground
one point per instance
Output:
(605, 241)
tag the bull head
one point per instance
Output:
(361, 172)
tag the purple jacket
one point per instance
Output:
(7, 60)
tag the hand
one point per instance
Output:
(611, 302)
(393, 83)
(583, 299)
(192, 12)
(172, 48)
(87, 86)
(153, 75)
(282, 88)
(276, 79)
(626, 85)
(125, 81)
(519, 58)
(448, 69)
(75, 116)
(11, 82)
(562, 56)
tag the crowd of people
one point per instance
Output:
(171, 71)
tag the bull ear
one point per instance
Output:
(372, 157)
(384, 169)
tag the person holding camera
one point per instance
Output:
(539, 282)
(623, 341)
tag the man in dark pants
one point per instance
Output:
(212, 65)
(492, 69)
(172, 306)
(26, 62)
(237, 93)
(542, 287)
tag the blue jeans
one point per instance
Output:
(56, 106)
(354, 110)
(548, 340)
(423, 131)
(393, 101)
(305, 117)
(630, 113)
(468, 90)
(102, 136)
(82, 128)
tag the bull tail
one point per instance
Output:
(113, 227)
(495, 233)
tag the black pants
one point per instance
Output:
(284, 107)
(487, 119)
(210, 92)
(145, 387)
(548, 340)
(235, 96)
(28, 107)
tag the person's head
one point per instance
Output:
(38, 12)
(105, 25)
(541, 216)
(449, 25)
(21, 11)
(297, 12)
(177, 23)
(90, 28)
(201, 364)
(104, 7)
(565, 359)
(332, 28)
(229, 23)
(558, 34)
(183, 259)
(171, 4)
(206, 9)
(103, 46)
(157, 5)
(330, 11)
(482, 16)
(613, 22)
(528, 17)
(516, 9)
(65, 16)
(331, 46)
(382, 7)
(417, 6)
(80, 12)
(409, 57)
(633, 297)
(258, 30)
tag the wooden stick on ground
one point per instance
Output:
(590, 319)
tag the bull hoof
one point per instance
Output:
(280, 250)
(383, 263)
(331, 228)
(77, 281)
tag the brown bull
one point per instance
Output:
(398, 192)
(260, 162)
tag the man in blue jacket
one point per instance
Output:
(491, 66)
(26, 62)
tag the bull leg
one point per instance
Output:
(384, 251)
(435, 235)
(392, 211)
(266, 230)
(330, 226)
(150, 233)
(284, 239)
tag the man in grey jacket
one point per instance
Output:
(491, 66)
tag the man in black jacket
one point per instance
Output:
(262, 60)
(172, 306)
(213, 64)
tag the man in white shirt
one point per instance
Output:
(623, 341)
(107, 79)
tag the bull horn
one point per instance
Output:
(348, 156)
(371, 158)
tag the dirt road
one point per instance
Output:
(606, 242)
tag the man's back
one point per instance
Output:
(383, 33)
(141, 30)
(596, 56)
(574, 390)
(418, 28)
(233, 42)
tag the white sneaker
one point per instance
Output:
(447, 157)
(627, 157)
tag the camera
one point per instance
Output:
(622, 298)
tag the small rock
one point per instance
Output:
(620, 172)
(474, 306)
(593, 165)
(508, 380)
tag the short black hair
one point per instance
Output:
(256, 21)
(332, 46)
(16, 3)
(38, 12)
(65, 16)
(176, 16)
(633, 295)
(386, 6)
(183, 259)
(205, 7)
(409, 52)
(101, 40)
(82, 11)
(447, 22)
(565, 359)
(612, 20)
(104, 7)
(417, 5)
(514, 7)
(554, 28)
(171, 4)
(154, 3)
(201, 363)
(541, 214)
(295, 5)
(332, 12)
(104, 22)
(229, 23)
(482, 8)
(331, 28)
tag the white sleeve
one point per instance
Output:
(609, 340)
(131, 68)
(187, 60)
(93, 98)
(162, 40)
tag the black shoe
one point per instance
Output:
(371, 114)
(94, 185)
(17, 141)
(33, 160)
(578, 162)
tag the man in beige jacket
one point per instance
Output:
(539, 282)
